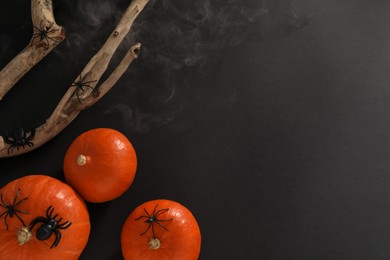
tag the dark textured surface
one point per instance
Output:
(269, 120)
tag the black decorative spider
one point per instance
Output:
(80, 85)
(49, 226)
(19, 138)
(43, 34)
(11, 208)
(153, 218)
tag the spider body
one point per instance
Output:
(43, 34)
(11, 209)
(19, 138)
(151, 219)
(81, 85)
(49, 226)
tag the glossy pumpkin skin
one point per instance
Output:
(182, 241)
(109, 167)
(44, 191)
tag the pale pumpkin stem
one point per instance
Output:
(24, 235)
(81, 160)
(154, 243)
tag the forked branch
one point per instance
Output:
(84, 91)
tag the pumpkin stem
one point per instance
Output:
(154, 243)
(24, 235)
(81, 160)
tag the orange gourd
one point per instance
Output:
(100, 164)
(161, 229)
(29, 198)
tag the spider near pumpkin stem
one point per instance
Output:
(11, 208)
(50, 225)
(80, 85)
(43, 34)
(153, 218)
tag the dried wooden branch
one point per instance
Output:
(83, 92)
(47, 34)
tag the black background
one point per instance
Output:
(269, 120)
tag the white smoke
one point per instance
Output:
(179, 38)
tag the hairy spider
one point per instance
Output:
(11, 208)
(80, 85)
(19, 138)
(153, 218)
(49, 226)
(43, 34)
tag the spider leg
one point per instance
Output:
(94, 89)
(158, 222)
(8, 139)
(5, 219)
(3, 213)
(16, 197)
(40, 25)
(21, 211)
(21, 220)
(31, 136)
(88, 82)
(47, 37)
(154, 210)
(147, 213)
(37, 220)
(64, 225)
(154, 235)
(58, 236)
(47, 40)
(143, 233)
(49, 211)
(77, 82)
(35, 35)
(77, 94)
(161, 211)
(142, 217)
(20, 201)
(11, 148)
(81, 87)
(4, 205)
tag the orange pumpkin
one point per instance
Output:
(100, 164)
(28, 199)
(161, 229)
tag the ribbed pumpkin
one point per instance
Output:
(161, 229)
(100, 164)
(31, 197)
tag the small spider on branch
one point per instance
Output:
(80, 84)
(43, 34)
(19, 138)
